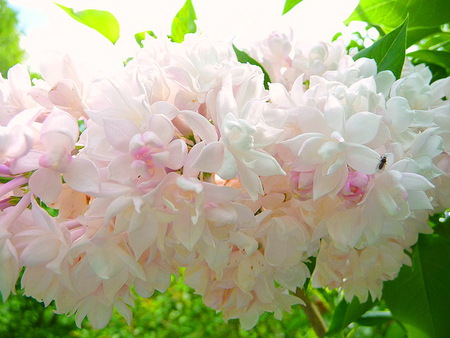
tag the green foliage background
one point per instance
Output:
(10, 52)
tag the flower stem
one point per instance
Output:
(312, 312)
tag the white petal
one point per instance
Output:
(211, 157)
(417, 182)
(200, 125)
(362, 158)
(82, 175)
(119, 132)
(362, 127)
(165, 108)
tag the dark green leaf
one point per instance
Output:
(102, 21)
(436, 57)
(142, 35)
(289, 4)
(243, 57)
(184, 22)
(395, 330)
(415, 34)
(346, 313)
(419, 296)
(389, 51)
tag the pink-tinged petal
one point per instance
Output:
(46, 184)
(177, 150)
(40, 251)
(134, 267)
(263, 164)
(19, 80)
(143, 232)
(162, 127)
(362, 158)
(200, 125)
(187, 232)
(210, 158)
(65, 93)
(181, 76)
(119, 168)
(119, 132)
(116, 207)
(42, 219)
(82, 175)
(246, 217)
(105, 263)
(194, 153)
(165, 108)
(246, 243)
(10, 269)
(40, 96)
(362, 127)
(309, 119)
(60, 122)
(26, 163)
(228, 169)
(219, 194)
(326, 184)
(124, 311)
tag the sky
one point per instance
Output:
(48, 29)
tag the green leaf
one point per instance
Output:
(391, 13)
(425, 17)
(416, 34)
(184, 22)
(375, 318)
(243, 57)
(142, 36)
(102, 21)
(437, 41)
(419, 296)
(389, 51)
(346, 313)
(289, 4)
(436, 57)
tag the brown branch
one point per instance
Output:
(312, 312)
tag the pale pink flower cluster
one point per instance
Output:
(182, 159)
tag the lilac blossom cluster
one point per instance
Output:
(182, 159)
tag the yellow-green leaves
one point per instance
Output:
(425, 17)
(389, 51)
(102, 21)
(289, 4)
(184, 22)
